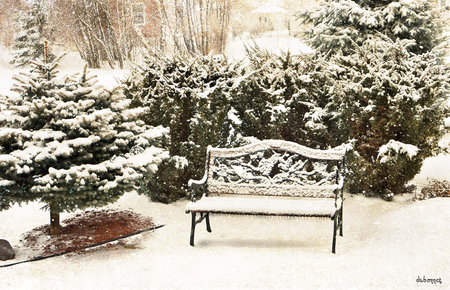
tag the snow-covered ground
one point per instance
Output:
(385, 245)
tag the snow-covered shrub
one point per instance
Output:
(378, 98)
(72, 144)
(390, 102)
(344, 25)
(254, 98)
(205, 102)
(388, 87)
(191, 97)
(384, 100)
(283, 97)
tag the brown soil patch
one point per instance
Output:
(87, 229)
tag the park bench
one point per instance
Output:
(270, 178)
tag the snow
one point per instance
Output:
(386, 245)
(274, 41)
(290, 206)
(329, 154)
(269, 9)
(232, 115)
(398, 147)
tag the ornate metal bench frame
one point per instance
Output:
(312, 178)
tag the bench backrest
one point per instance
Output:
(275, 168)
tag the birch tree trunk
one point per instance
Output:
(200, 26)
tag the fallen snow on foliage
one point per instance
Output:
(69, 65)
(385, 151)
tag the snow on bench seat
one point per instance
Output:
(323, 207)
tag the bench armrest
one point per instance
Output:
(196, 185)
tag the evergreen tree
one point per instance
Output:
(383, 99)
(388, 91)
(32, 32)
(282, 97)
(391, 104)
(72, 144)
(191, 96)
(254, 98)
(343, 25)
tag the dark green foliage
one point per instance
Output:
(383, 101)
(345, 25)
(389, 97)
(387, 90)
(204, 102)
(167, 184)
(191, 97)
(72, 144)
(378, 94)
(280, 97)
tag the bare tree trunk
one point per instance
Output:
(203, 24)
(97, 37)
(103, 30)
(203, 19)
(224, 18)
(166, 23)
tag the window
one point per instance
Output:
(138, 10)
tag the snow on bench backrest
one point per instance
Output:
(274, 167)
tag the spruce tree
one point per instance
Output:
(71, 144)
(343, 25)
(389, 88)
(32, 32)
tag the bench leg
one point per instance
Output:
(193, 228)
(333, 247)
(195, 222)
(208, 225)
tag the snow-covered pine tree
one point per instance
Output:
(342, 25)
(388, 87)
(224, 104)
(72, 144)
(32, 32)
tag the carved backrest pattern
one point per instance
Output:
(275, 167)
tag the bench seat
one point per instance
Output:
(308, 207)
